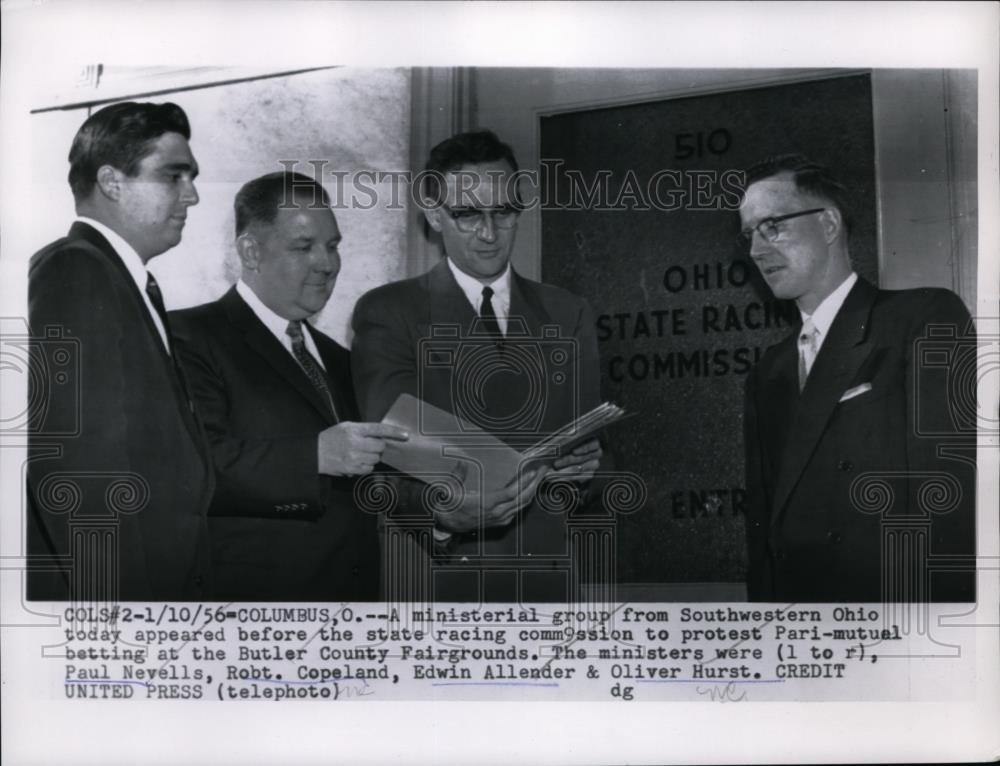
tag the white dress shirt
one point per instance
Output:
(276, 324)
(826, 312)
(473, 290)
(136, 268)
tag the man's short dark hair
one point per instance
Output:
(260, 199)
(810, 178)
(120, 135)
(473, 148)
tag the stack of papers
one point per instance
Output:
(575, 433)
(443, 445)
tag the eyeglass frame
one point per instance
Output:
(454, 214)
(746, 235)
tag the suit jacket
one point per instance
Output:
(421, 336)
(838, 507)
(119, 478)
(279, 530)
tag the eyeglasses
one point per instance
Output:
(768, 228)
(469, 219)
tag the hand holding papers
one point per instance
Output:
(581, 463)
(579, 456)
(441, 443)
(353, 449)
(496, 508)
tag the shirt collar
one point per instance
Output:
(125, 251)
(473, 288)
(826, 311)
(276, 324)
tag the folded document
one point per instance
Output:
(442, 444)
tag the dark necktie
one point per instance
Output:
(310, 366)
(488, 315)
(156, 298)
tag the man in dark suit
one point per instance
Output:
(119, 478)
(275, 395)
(860, 479)
(514, 357)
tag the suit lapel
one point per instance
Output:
(337, 379)
(777, 401)
(448, 304)
(262, 340)
(527, 306)
(80, 230)
(844, 351)
(453, 320)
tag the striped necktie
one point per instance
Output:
(310, 366)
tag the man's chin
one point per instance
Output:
(491, 269)
(781, 291)
(314, 306)
(164, 246)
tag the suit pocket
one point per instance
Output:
(874, 398)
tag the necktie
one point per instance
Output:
(156, 298)
(310, 366)
(488, 315)
(807, 351)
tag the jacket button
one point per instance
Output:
(845, 465)
(199, 580)
(780, 555)
(834, 537)
(355, 571)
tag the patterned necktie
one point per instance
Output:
(488, 315)
(310, 366)
(807, 351)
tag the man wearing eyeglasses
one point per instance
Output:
(492, 325)
(849, 497)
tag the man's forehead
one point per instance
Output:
(171, 149)
(764, 197)
(482, 185)
(301, 217)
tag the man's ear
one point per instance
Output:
(109, 182)
(249, 251)
(833, 224)
(433, 215)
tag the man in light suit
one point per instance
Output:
(275, 395)
(119, 478)
(860, 479)
(461, 337)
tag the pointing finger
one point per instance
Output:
(384, 431)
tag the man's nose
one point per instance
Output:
(327, 262)
(189, 194)
(759, 246)
(486, 230)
